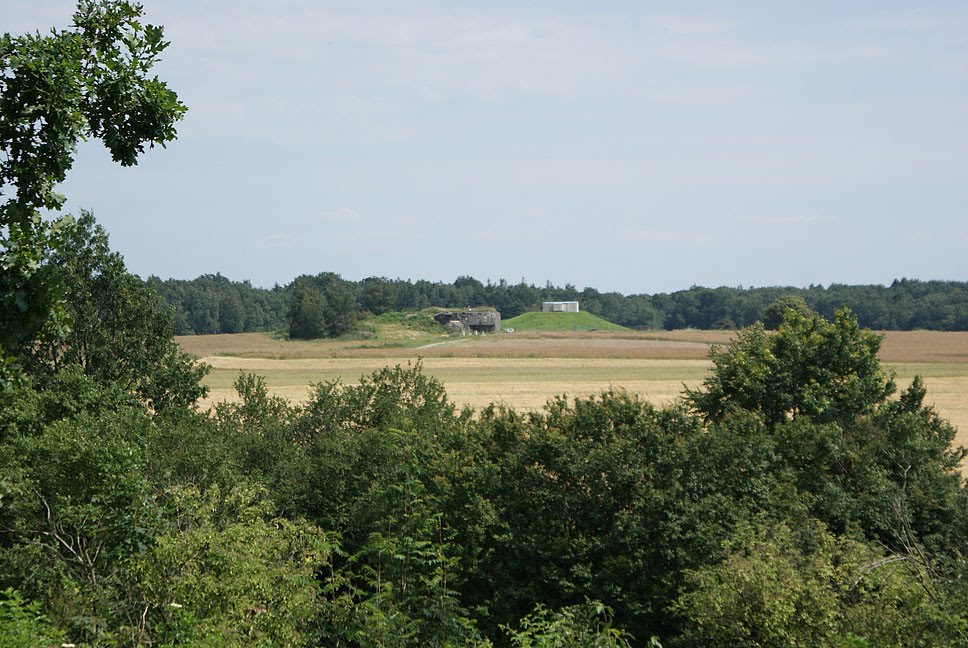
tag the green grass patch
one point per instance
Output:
(560, 322)
(402, 317)
(398, 329)
(414, 321)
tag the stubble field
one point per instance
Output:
(525, 370)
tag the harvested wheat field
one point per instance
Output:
(526, 370)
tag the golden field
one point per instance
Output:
(525, 370)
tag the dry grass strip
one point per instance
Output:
(525, 371)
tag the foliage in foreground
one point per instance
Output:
(57, 89)
(379, 514)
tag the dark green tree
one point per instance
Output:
(828, 371)
(56, 89)
(377, 295)
(231, 314)
(339, 305)
(321, 306)
(118, 332)
(305, 311)
(77, 509)
(775, 313)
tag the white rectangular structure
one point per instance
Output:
(559, 307)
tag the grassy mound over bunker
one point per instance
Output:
(560, 322)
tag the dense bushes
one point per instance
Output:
(378, 514)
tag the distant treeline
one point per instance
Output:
(215, 304)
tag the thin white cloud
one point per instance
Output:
(953, 20)
(340, 215)
(689, 24)
(789, 219)
(688, 237)
(277, 241)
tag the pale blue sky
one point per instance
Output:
(630, 146)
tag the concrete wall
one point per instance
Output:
(478, 321)
(559, 307)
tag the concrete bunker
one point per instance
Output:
(471, 321)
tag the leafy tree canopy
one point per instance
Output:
(118, 331)
(56, 89)
(321, 306)
(828, 371)
(68, 85)
(775, 313)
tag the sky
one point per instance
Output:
(632, 146)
